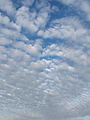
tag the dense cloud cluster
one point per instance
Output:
(44, 60)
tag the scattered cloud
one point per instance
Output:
(39, 74)
(68, 28)
(81, 5)
(32, 20)
(7, 6)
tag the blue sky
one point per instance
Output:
(45, 59)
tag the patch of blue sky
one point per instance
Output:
(66, 11)
(17, 3)
(30, 35)
(4, 13)
(62, 59)
(86, 23)
(63, 11)
(49, 41)
(59, 41)
(7, 45)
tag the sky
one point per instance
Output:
(44, 59)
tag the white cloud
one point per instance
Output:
(4, 20)
(32, 21)
(33, 78)
(7, 6)
(68, 28)
(27, 2)
(81, 5)
(34, 50)
(78, 56)
(21, 68)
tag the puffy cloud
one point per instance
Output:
(37, 79)
(32, 21)
(68, 28)
(34, 50)
(53, 77)
(78, 56)
(7, 6)
(4, 20)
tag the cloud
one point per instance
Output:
(27, 2)
(81, 5)
(78, 56)
(7, 6)
(67, 28)
(32, 20)
(38, 75)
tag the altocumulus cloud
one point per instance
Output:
(44, 60)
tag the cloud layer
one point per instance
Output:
(44, 60)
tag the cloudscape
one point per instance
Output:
(44, 59)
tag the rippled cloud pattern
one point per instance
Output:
(44, 60)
